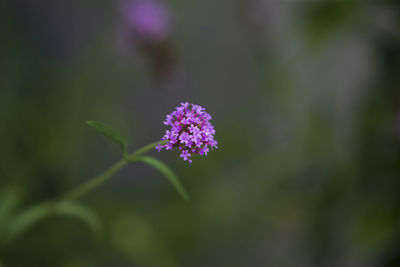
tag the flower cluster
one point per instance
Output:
(191, 131)
(148, 19)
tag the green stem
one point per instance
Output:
(41, 211)
(135, 155)
(107, 174)
(95, 182)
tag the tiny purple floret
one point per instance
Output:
(191, 131)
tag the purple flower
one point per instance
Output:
(148, 19)
(185, 105)
(158, 147)
(186, 156)
(185, 138)
(168, 146)
(168, 120)
(191, 131)
(204, 151)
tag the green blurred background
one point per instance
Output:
(305, 98)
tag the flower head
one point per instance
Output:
(148, 19)
(191, 131)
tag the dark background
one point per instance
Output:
(305, 100)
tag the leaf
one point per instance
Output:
(169, 174)
(80, 212)
(9, 200)
(108, 132)
(31, 216)
(26, 219)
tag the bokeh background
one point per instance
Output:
(306, 103)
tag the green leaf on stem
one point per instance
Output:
(9, 200)
(25, 220)
(82, 213)
(169, 174)
(108, 132)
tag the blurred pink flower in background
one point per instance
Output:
(148, 21)
(145, 28)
